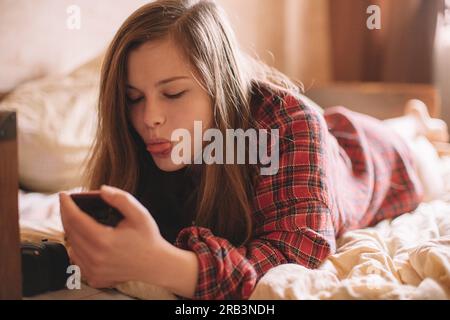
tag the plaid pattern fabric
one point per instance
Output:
(338, 171)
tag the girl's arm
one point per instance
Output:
(181, 268)
(227, 272)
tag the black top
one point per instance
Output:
(171, 199)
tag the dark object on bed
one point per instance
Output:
(44, 267)
(10, 281)
(97, 208)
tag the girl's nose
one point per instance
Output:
(153, 116)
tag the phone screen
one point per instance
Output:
(97, 208)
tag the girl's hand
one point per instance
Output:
(107, 256)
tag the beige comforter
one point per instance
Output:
(407, 258)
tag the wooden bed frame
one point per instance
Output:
(380, 100)
(10, 264)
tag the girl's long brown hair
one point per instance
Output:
(118, 157)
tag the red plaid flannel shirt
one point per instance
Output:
(337, 171)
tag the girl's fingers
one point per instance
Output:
(84, 249)
(75, 220)
(71, 255)
(84, 261)
(128, 205)
(76, 260)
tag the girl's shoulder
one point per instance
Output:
(276, 107)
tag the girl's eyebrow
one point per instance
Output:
(160, 83)
(165, 81)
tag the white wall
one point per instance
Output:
(34, 40)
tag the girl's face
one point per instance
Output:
(164, 96)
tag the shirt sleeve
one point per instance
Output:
(292, 221)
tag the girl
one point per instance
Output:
(212, 231)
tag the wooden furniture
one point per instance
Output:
(380, 100)
(400, 51)
(10, 264)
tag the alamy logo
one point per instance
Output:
(73, 21)
(74, 280)
(235, 140)
(374, 20)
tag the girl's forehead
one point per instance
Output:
(159, 49)
(157, 60)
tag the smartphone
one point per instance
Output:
(92, 203)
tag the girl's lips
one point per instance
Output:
(160, 149)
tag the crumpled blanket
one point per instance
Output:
(407, 258)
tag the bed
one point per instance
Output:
(406, 258)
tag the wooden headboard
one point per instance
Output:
(380, 100)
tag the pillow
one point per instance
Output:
(57, 121)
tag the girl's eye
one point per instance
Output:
(174, 96)
(134, 101)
